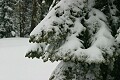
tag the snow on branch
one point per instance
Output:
(71, 33)
(118, 36)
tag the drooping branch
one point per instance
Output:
(65, 28)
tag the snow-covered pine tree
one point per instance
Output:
(6, 18)
(84, 35)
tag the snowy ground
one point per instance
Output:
(14, 66)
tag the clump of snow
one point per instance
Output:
(8, 8)
(13, 33)
(118, 36)
(94, 55)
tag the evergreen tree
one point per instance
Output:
(39, 9)
(84, 35)
(28, 13)
(6, 18)
(22, 17)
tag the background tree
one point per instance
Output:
(22, 12)
(19, 17)
(28, 13)
(6, 18)
(39, 9)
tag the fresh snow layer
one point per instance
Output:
(14, 65)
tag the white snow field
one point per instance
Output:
(14, 65)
